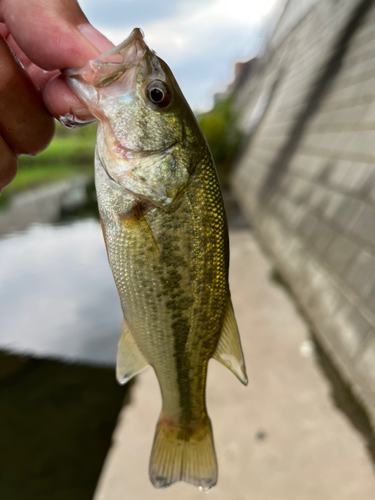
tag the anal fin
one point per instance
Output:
(228, 350)
(130, 359)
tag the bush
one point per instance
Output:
(222, 134)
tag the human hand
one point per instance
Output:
(46, 36)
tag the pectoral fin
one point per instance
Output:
(130, 360)
(228, 350)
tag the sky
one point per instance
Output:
(199, 39)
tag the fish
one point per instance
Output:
(166, 235)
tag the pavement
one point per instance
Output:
(280, 438)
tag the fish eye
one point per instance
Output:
(158, 93)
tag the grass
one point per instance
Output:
(44, 174)
(62, 149)
(75, 147)
(70, 153)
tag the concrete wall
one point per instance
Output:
(293, 11)
(306, 173)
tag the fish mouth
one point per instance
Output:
(87, 83)
(110, 66)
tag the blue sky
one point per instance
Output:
(199, 39)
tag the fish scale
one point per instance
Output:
(166, 236)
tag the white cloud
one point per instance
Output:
(206, 38)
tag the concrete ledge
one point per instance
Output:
(281, 438)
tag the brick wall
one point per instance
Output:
(306, 174)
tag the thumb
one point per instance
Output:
(54, 34)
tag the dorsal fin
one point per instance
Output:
(228, 350)
(130, 359)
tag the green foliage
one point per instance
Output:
(74, 146)
(70, 153)
(222, 134)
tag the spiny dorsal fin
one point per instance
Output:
(130, 360)
(228, 350)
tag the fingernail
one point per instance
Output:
(95, 37)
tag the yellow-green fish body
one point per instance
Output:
(165, 229)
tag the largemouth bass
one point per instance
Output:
(166, 235)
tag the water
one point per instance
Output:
(57, 294)
(60, 316)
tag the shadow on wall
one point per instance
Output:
(314, 99)
(341, 393)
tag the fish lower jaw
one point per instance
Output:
(112, 146)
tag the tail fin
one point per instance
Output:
(178, 455)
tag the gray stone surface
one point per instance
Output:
(314, 191)
(365, 226)
(280, 438)
(340, 253)
(43, 204)
(359, 272)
